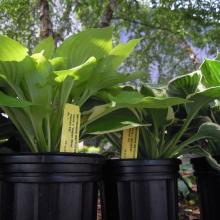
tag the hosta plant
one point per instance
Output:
(206, 79)
(35, 87)
(165, 132)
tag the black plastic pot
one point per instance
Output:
(208, 183)
(141, 189)
(50, 186)
(1, 187)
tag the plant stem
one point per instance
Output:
(181, 146)
(172, 144)
(161, 143)
(146, 143)
(48, 134)
(99, 116)
(84, 97)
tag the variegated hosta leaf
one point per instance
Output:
(211, 72)
(184, 85)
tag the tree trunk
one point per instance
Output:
(108, 15)
(191, 53)
(46, 27)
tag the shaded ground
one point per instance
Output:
(186, 211)
(188, 201)
(99, 216)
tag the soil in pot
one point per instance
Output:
(50, 186)
(141, 189)
(208, 183)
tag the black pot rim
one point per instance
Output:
(51, 153)
(61, 157)
(143, 162)
(142, 170)
(200, 159)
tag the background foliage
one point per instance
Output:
(177, 34)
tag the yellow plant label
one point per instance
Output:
(70, 129)
(130, 143)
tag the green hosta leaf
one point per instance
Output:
(211, 72)
(99, 81)
(106, 80)
(40, 93)
(104, 94)
(125, 97)
(80, 47)
(118, 55)
(46, 46)
(11, 50)
(28, 79)
(146, 90)
(216, 112)
(161, 117)
(97, 111)
(13, 72)
(118, 102)
(134, 99)
(209, 130)
(57, 63)
(116, 121)
(197, 122)
(201, 99)
(36, 83)
(184, 85)
(43, 66)
(10, 101)
(81, 73)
